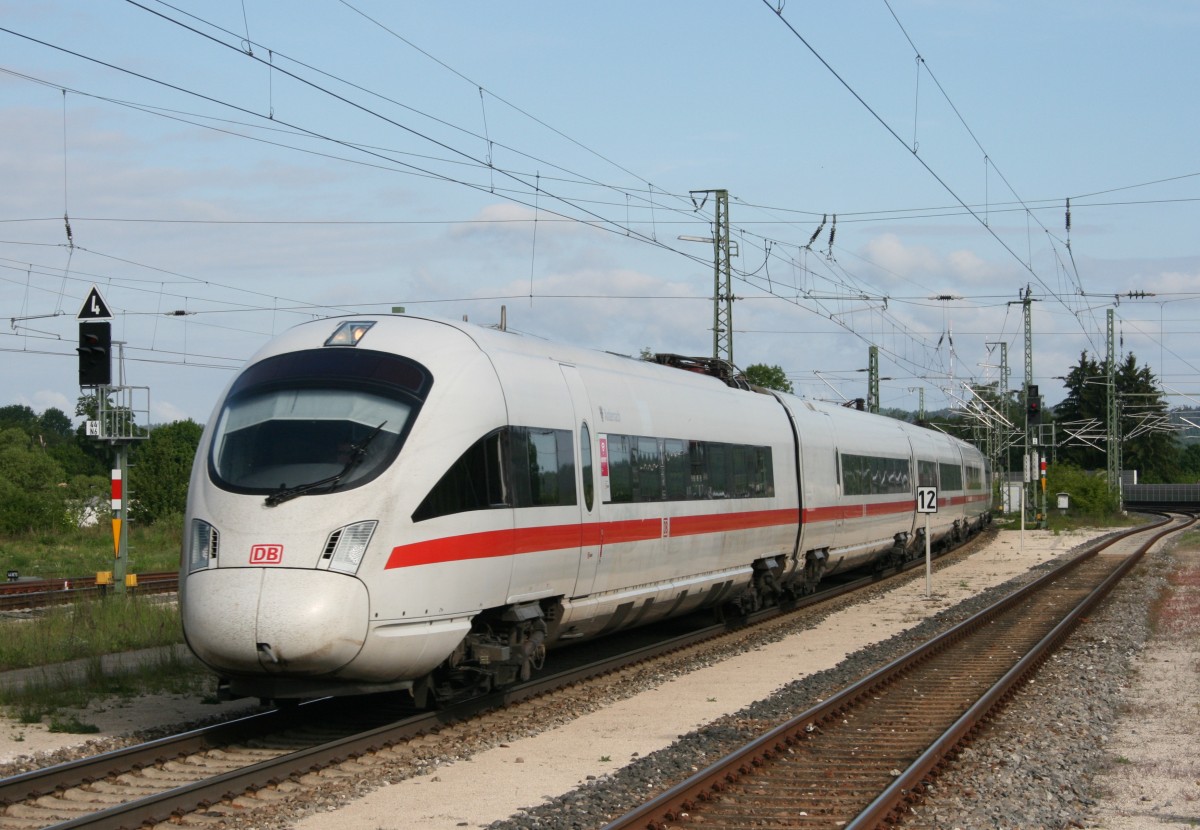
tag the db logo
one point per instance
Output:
(266, 554)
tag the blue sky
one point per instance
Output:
(258, 164)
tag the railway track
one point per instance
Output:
(39, 593)
(860, 758)
(216, 770)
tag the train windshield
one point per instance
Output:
(326, 423)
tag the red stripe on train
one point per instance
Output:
(508, 542)
(512, 541)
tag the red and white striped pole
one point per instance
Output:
(120, 507)
(118, 479)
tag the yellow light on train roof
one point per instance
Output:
(349, 333)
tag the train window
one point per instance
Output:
(647, 470)
(644, 469)
(677, 468)
(974, 477)
(870, 475)
(719, 472)
(508, 467)
(315, 421)
(763, 483)
(283, 438)
(543, 467)
(740, 464)
(620, 470)
(927, 474)
(585, 462)
(474, 482)
(952, 477)
(698, 487)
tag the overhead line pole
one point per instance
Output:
(722, 274)
(1029, 398)
(873, 380)
(1003, 400)
(1113, 413)
(722, 281)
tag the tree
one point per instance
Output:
(1145, 445)
(55, 426)
(1189, 464)
(31, 499)
(160, 467)
(768, 377)
(898, 414)
(20, 417)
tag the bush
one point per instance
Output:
(1088, 491)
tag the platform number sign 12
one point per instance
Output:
(927, 500)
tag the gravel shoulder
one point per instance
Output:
(1151, 773)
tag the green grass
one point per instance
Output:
(85, 551)
(72, 725)
(88, 629)
(1073, 521)
(1190, 539)
(59, 698)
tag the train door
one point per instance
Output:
(591, 541)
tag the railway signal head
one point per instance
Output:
(1033, 403)
(95, 354)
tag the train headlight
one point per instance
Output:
(347, 546)
(202, 545)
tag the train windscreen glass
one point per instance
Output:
(286, 430)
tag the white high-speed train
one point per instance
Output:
(391, 502)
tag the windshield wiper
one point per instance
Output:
(357, 452)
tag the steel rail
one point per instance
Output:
(42, 593)
(673, 803)
(163, 806)
(883, 810)
(28, 785)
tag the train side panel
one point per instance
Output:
(932, 451)
(668, 537)
(874, 479)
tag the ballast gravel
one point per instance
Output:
(1037, 785)
(1041, 763)
(1031, 769)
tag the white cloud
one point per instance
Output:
(889, 253)
(165, 412)
(44, 399)
(925, 266)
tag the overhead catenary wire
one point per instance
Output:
(841, 276)
(778, 11)
(605, 223)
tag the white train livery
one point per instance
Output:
(391, 502)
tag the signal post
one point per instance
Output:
(927, 503)
(116, 408)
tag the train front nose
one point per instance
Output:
(275, 621)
